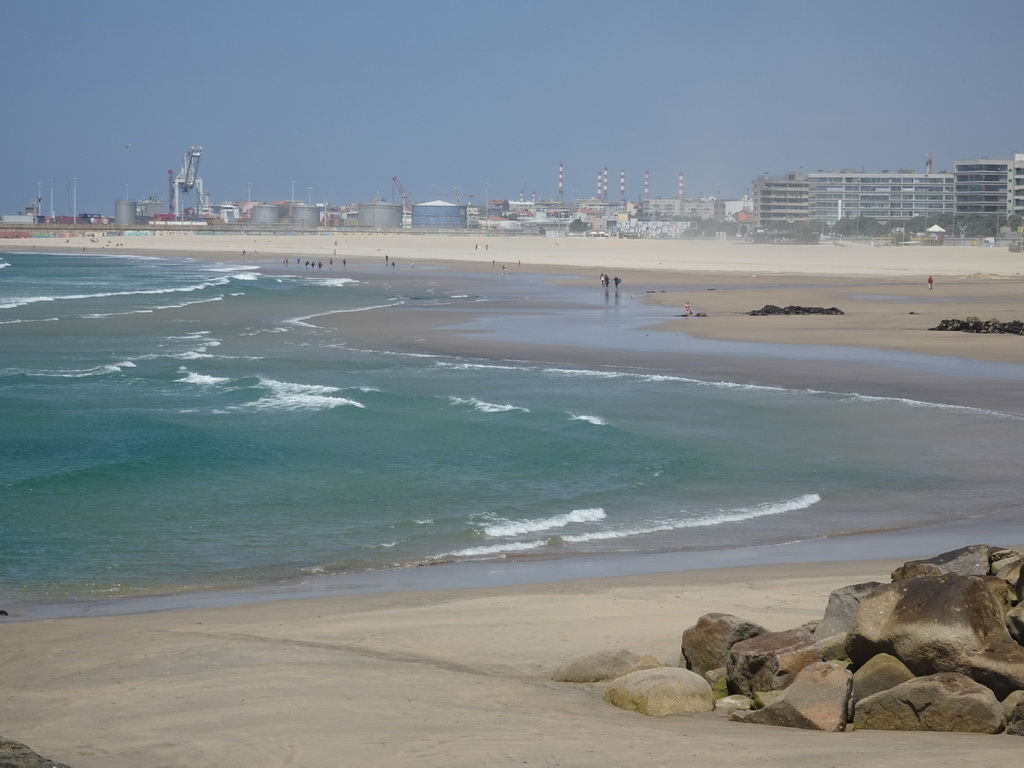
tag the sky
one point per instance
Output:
(335, 98)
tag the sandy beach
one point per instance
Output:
(461, 676)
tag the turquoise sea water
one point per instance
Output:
(172, 425)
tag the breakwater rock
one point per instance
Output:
(771, 309)
(939, 647)
(974, 325)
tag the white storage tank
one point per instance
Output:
(305, 216)
(125, 213)
(438, 214)
(265, 214)
(380, 215)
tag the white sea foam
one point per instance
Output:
(335, 282)
(25, 300)
(289, 396)
(717, 518)
(203, 380)
(497, 549)
(597, 420)
(4, 264)
(521, 527)
(485, 407)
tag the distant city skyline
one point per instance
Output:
(487, 99)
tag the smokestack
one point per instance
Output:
(622, 186)
(647, 185)
(605, 195)
(598, 185)
(682, 186)
(561, 187)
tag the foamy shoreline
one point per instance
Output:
(456, 671)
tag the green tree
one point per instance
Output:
(577, 225)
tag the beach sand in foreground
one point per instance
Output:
(441, 678)
(461, 677)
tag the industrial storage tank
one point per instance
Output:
(125, 213)
(305, 216)
(265, 214)
(380, 215)
(151, 207)
(438, 215)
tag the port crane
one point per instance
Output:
(405, 195)
(186, 180)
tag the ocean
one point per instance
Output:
(180, 426)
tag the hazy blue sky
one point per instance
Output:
(341, 96)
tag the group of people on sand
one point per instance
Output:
(606, 281)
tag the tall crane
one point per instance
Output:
(186, 180)
(403, 193)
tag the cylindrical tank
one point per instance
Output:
(380, 215)
(124, 213)
(438, 215)
(265, 214)
(305, 216)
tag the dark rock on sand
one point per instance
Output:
(842, 607)
(771, 309)
(966, 561)
(818, 699)
(880, 673)
(944, 702)
(14, 754)
(933, 624)
(769, 662)
(974, 325)
(706, 644)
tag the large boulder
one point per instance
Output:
(660, 692)
(707, 643)
(818, 699)
(967, 561)
(933, 624)
(14, 754)
(604, 665)
(944, 702)
(842, 607)
(1015, 720)
(880, 673)
(769, 662)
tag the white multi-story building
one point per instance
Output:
(987, 185)
(883, 196)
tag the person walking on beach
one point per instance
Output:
(686, 309)
(930, 281)
(618, 282)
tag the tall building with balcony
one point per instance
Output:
(882, 196)
(780, 201)
(987, 185)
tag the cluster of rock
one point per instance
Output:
(14, 754)
(771, 309)
(973, 325)
(938, 648)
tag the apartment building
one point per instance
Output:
(882, 196)
(987, 185)
(780, 201)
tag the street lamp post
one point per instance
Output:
(51, 198)
(74, 205)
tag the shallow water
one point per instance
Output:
(171, 425)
